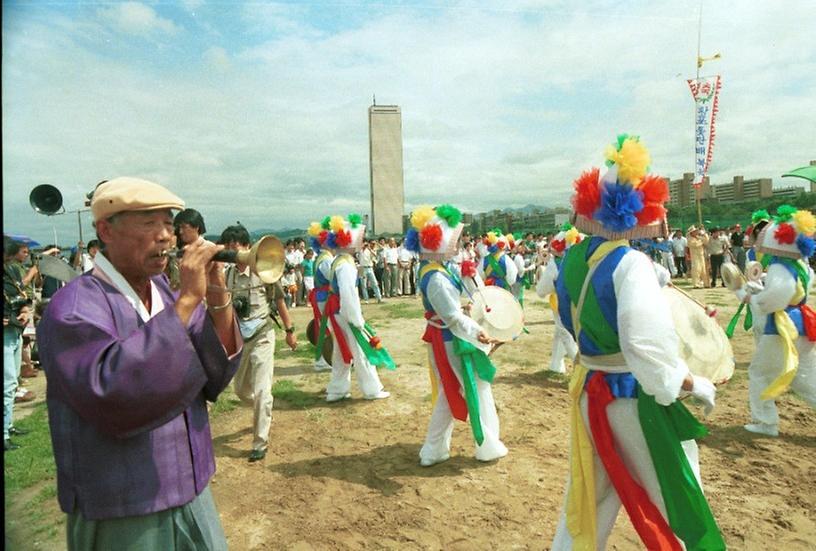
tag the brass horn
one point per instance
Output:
(265, 259)
(45, 199)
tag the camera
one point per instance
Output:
(17, 303)
(241, 306)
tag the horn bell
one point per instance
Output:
(45, 199)
(265, 258)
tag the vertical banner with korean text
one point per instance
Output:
(706, 91)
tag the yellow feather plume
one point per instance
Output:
(314, 229)
(571, 236)
(421, 216)
(805, 222)
(492, 238)
(337, 223)
(633, 159)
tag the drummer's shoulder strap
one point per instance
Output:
(598, 315)
(427, 270)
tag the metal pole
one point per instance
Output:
(79, 221)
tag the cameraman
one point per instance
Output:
(254, 303)
(16, 313)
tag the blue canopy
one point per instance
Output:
(23, 239)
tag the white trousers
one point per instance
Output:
(367, 376)
(440, 427)
(631, 445)
(253, 384)
(766, 366)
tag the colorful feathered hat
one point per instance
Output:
(625, 202)
(435, 232)
(496, 240)
(566, 238)
(759, 219)
(789, 234)
(338, 233)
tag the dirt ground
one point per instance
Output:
(347, 475)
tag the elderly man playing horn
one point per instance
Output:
(632, 440)
(457, 345)
(785, 353)
(130, 368)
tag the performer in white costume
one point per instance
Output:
(354, 340)
(319, 233)
(496, 268)
(631, 438)
(563, 344)
(457, 345)
(785, 355)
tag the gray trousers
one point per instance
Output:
(191, 527)
(390, 285)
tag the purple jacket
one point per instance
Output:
(127, 399)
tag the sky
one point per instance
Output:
(258, 112)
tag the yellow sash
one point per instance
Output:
(581, 512)
(788, 333)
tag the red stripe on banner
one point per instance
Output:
(649, 523)
(332, 307)
(450, 384)
(711, 131)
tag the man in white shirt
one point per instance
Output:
(404, 260)
(679, 244)
(365, 260)
(391, 254)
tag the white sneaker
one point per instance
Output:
(337, 397)
(379, 396)
(322, 365)
(427, 462)
(497, 452)
(762, 428)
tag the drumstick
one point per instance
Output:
(710, 312)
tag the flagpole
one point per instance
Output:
(700, 187)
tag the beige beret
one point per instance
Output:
(124, 194)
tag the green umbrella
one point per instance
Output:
(806, 172)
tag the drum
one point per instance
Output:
(56, 268)
(498, 312)
(328, 343)
(703, 344)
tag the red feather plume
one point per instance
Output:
(785, 234)
(430, 237)
(468, 268)
(655, 192)
(343, 238)
(587, 196)
(322, 236)
(558, 245)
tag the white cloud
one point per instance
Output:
(217, 58)
(501, 107)
(192, 5)
(137, 19)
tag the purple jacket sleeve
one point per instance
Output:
(120, 374)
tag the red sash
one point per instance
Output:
(450, 384)
(808, 321)
(316, 309)
(649, 523)
(332, 307)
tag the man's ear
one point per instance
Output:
(104, 229)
